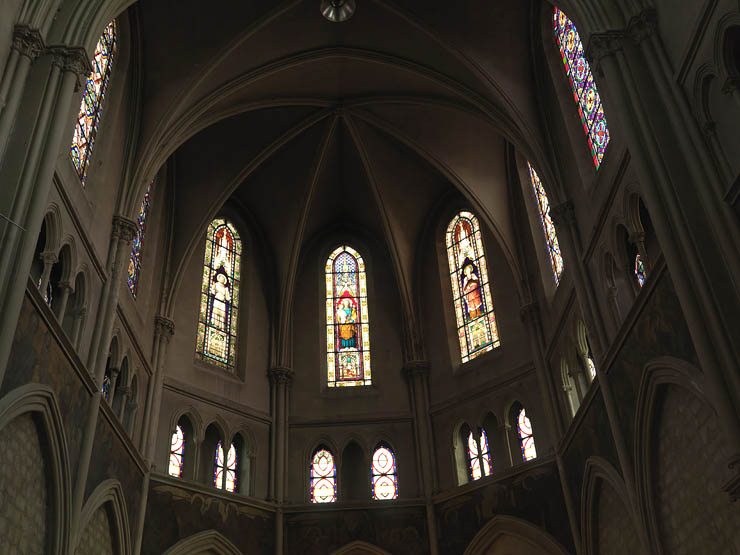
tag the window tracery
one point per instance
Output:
(134, 265)
(224, 472)
(323, 474)
(177, 452)
(479, 457)
(640, 273)
(551, 236)
(385, 480)
(526, 436)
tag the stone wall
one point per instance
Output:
(97, 537)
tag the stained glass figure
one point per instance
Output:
(347, 320)
(551, 237)
(582, 82)
(177, 451)
(224, 472)
(385, 481)
(134, 265)
(476, 322)
(479, 457)
(323, 477)
(93, 96)
(526, 437)
(219, 305)
(640, 273)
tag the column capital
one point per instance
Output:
(71, 59)
(643, 25)
(280, 375)
(731, 86)
(124, 228)
(602, 45)
(163, 327)
(636, 237)
(529, 312)
(563, 214)
(416, 368)
(65, 285)
(709, 128)
(49, 257)
(132, 404)
(124, 390)
(27, 41)
(113, 372)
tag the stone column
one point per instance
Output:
(114, 373)
(164, 329)
(125, 391)
(77, 327)
(280, 380)
(65, 288)
(504, 429)
(49, 258)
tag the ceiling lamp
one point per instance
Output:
(337, 10)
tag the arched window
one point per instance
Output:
(93, 97)
(476, 322)
(551, 237)
(224, 471)
(479, 457)
(323, 477)
(347, 320)
(526, 436)
(581, 79)
(219, 305)
(591, 366)
(134, 265)
(385, 481)
(177, 452)
(640, 273)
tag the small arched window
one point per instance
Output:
(224, 471)
(134, 265)
(585, 93)
(323, 475)
(476, 321)
(640, 273)
(347, 320)
(526, 435)
(177, 452)
(551, 236)
(479, 456)
(219, 305)
(385, 481)
(93, 97)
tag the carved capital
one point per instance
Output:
(27, 41)
(124, 229)
(280, 375)
(132, 404)
(164, 327)
(113, 373)
(49, 258)
(414, 368)
(731, 86)
(529, 312)
(124, 390)
(602, 45)
(65, 285)
(563, 214)
(643, 26)
(72, 59)
(81, 312)
(637, 237)
(709, 128)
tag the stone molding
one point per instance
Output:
(643, 26)
(602, 45)
(416, 368)
(636, 237)
(529, 312)
(731, 86)
(27, 41)
(164, 327)
(280, 375)
(49, 257)
(73, 59)
(124, 228)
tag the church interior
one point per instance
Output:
(369, 277)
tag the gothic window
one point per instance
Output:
(347, 320)
(591, 367)
(177, 451)
(526, 436)
(476, 322)
(224, 470)
(582, 83)
(93, 97)
(385, 481)
(640, 273)
(323, 477)
(134, 265)
(551, 237)
(219, 305)
(479, 457)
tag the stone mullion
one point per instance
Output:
(79, 317)
(125, 392)
(164, 330)
(49, 258)
(280, 380)
(66, 289)
(114, 373)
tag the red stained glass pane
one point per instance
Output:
(323, 477)
(177, 451)
(385, 481)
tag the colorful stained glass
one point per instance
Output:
(640, 273)
(134, 265)
(551, 237)
(485, 454)
(224, 472)
(526, 437)
(581, 79)
(476, 323)
(219, 305)
(105, 390)
(93, 96)
(479, 457)
(385, 481)
(347, 320)
(323, 477)
(177, 451)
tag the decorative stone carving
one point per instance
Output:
(27, 41)
(637, 237)
(280, 375)
(732, 486)
(643, 26)
(49, 258)
(164, 327)
(529, 312)
(563, 214)
(601, 45)
(416, 368)
(124, 228)
(73, 59)
(731, 86)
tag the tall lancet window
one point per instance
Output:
(347, 320)
(219, 305)
(385, 481)
(526, 435)
(551, 237)
(177, 451)
(476, 322)
(581, 79)
(479, 456)
(93, 96)
(134, 264)
(323, 474)
(224, 470)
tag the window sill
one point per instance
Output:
(205, 366)
(478, 363)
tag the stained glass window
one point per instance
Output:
(105, 390)
(591, 367)
(323, 477)
(93, 96)
(582, 82)
(385, 481)
(551, 237)
(526, 437)
(224, 472)
(347, 320)
(219, 305)
(177, 451)
(479, 457)
(640, 274)
(476, 322)
(134, 265)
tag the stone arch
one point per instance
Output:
(108, 497)
(209, 542)
(359, 547)
(460, 432)
(513, 536)
(726, 42)
(40, 402)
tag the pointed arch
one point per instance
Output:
(479, 456)
(384, 473)
(209, 541)
(347, 319)
(551, 236)
(323, 476)
(518, 535)
(476, 321)
(137, 247)
(359, 547)
(108, 496)
(524, 431)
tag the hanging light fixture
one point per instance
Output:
(337, 10)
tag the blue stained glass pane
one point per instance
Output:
(134, 265)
